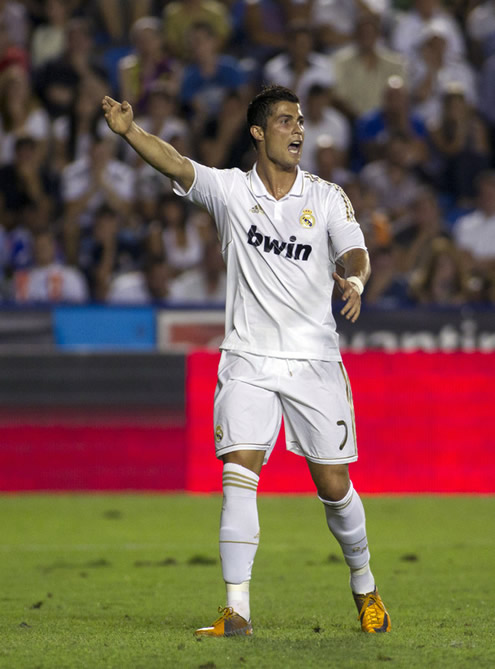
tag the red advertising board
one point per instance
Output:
(424, 424)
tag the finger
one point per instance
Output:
(110, 101)
(352, 313)
(347, 293)
(357, 311)
(354, 319)
(347, 307)
(340, 281)
(353, 301)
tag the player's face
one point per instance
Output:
(284, 135)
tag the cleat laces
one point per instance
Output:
(226, 611)
(370, 608)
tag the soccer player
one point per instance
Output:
(283, 232)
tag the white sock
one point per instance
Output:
(238, 598)
(239, 534)
(347, 522)
(362, 581)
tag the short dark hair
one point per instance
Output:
(260, 107)
(203, 26)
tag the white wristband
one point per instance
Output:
(357, 283)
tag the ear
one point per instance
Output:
(257, 132)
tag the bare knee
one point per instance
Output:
(252, 460)
(332, 481)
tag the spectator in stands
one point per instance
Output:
(264, 24)
(394, 114)
(393, 181)
(411, 24)
(480, 30)
(73, 132)
(387, 287)
(10, 53)
(363, 69)
(26, 182)
(16, 20)
(299, 66)
(400, 218)
(372, 218)
(99, 254)
(441, 280)
(56, 81)
(432, 71)
(474, 233)
(209, 77)
(115, 247)
(461, 147)
(118, 15)
(335, 20)
(175, 236)
(486, 103)
(148, 64)
(16, 243)
(162, 118)
(321, 119)
(225, 141)
(48, 38)
(141, 286)
(180, 15)
(157, 279)
(261, 34)
(20, 114)
(205, 284)
(328, 165)
(88, 183)
(424, 224)
(49, 280)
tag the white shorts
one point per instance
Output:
(314, 397)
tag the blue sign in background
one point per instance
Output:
(105, 328)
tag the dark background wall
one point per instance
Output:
(92, 379)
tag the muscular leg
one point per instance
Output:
(252, 460)
(346, 520)
(239, 525)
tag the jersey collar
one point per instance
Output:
(258, 187)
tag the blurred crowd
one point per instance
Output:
(399, 102)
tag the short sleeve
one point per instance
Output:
(210, 190)
(344, 231)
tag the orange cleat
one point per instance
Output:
(230, 623)
(372, 613)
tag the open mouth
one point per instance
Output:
(295, 146)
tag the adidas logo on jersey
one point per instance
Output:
(290, 249)
(256, 209)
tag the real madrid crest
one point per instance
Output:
(218, 433)
(307, 220)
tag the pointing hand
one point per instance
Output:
(119, 116)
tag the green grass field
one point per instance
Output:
(123, 580)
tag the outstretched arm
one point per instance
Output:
(356, 265)
(160, 155)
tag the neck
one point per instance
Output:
(369, 56)
(276, 180)
(208, 64)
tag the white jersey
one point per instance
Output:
(280, 255)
